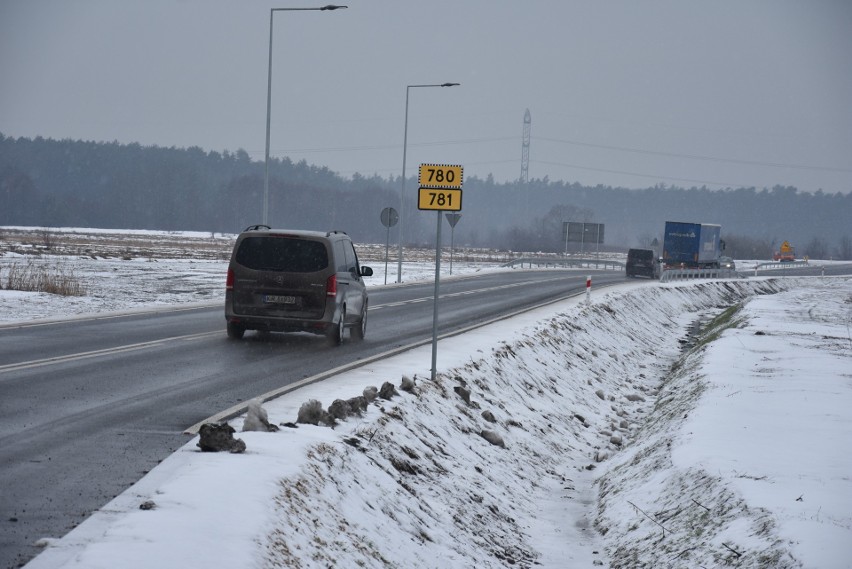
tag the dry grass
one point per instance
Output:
(33, 277)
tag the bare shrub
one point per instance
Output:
(33, 277)
(47, 238)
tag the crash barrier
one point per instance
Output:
(686, 274)
(555, 262)
(781, 265)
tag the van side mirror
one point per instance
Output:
(366, 272)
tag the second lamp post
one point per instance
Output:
(402, 190)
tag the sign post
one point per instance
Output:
(440, 190)
(389, 218)
(452, 219)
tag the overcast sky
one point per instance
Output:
(629, 93)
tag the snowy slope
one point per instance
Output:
(621, 447)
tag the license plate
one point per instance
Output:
(278, 299)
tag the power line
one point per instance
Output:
(571, 142)
(695, 156)
(653, 176)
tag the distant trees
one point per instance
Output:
(817, 248)
(747, 247)
(47, 182)
(18, 197)
(844, 250)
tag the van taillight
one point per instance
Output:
(331, 286)
(229, 280)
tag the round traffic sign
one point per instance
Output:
(389, 217)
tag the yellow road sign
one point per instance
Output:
(440, 176)
(440, 199)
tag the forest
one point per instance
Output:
(67, 183)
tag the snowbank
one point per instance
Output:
(745, 460)
(591, 459)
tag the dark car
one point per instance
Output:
(642, 263)
(296, 281)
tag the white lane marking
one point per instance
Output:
(462, 293)
(98, 353)
(143, 345)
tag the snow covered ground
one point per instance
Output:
(609, 435)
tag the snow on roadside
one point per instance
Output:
(745, 460)
(414, 482)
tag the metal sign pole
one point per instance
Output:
(452, 240)
(389, 217)
(435, 307)
(440, 190)
(387, 249)
(598, 244)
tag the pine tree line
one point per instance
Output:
(66, 183)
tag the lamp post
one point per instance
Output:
(269, 101)
(402, 190)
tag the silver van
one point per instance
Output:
(283, 280)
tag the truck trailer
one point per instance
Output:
(692, 245)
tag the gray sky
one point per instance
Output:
(631, 93)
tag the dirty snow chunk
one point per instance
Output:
(493, 438)
(357, 405)
(601, 395)
(635, 397)
(310, 412)
(489, 416)
(463, 393)
(339, 410)
(388, 391)
(257, 419)
(371, 393)
(218, 438)
(407, 384)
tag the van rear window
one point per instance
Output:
(269, 253)
(640, 255)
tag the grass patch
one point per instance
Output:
(35, 277)
(726, 319)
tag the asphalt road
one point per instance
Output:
(88, 406)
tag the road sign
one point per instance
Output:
(442, 176)
(439, 199)
(583, 232)
(453, 218)
(389, 217)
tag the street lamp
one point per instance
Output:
(402, 190)
(269, 101)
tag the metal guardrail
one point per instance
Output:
(687, 274)
(556, 262)
(781, 265)
(666, 276)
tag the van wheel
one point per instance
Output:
(235, 331)
(334, 335)
(360, 331)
